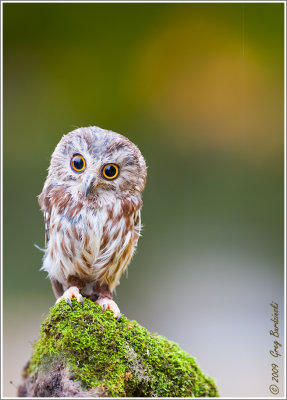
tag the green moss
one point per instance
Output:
(122, 358)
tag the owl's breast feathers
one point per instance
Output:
(92, 243)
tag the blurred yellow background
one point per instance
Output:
(199, 87)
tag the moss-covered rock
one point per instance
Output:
(87, 353)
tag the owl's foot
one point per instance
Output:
(106, 303)
(73, 291)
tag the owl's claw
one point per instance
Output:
(73, 291)
(69, 302)
(119, 317)
(106, 303)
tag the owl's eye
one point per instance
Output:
(110, 171)
(78, 163)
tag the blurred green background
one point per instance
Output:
(200, 89)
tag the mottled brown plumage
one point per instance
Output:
(91, 202)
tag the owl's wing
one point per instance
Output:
(44, 202)
(47, 227)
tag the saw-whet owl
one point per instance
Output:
(91, 202)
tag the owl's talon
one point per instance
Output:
(73, 291)
(68, 301)
(106, 303)
(119, 317)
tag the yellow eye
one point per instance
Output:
(110, 171)
(78, 163)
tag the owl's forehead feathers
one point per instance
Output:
(99, 143)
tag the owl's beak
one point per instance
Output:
(88, 185)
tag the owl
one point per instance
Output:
(91, 201)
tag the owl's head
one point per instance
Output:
(93, 162)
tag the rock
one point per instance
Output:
(87, 353)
